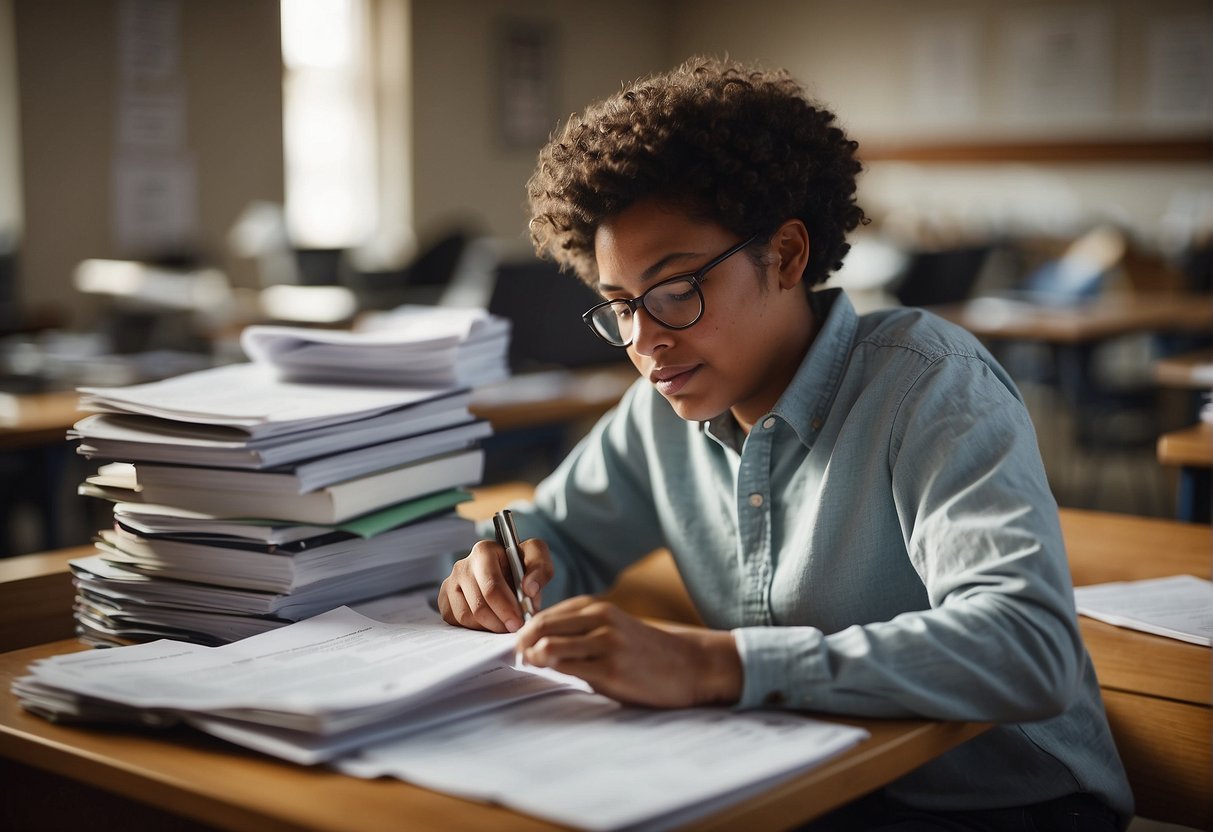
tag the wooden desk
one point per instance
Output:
(1190, 447)
(153, 779)
(32, 419)
(1157, 691)
(183, 773)
(527, 400)
(1191, 370)
(999, 319)
(1191, 450)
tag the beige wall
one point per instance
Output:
(852, 55)
(67, 69)
(462, 170)
(857, 57)
(10, 158)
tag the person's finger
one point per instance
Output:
(536, 566)
(500, 603)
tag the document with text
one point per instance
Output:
(1179, 606)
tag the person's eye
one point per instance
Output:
(622, 311)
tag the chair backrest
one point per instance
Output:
(941, 276)
(546, 308)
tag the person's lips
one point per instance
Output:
(670, 380)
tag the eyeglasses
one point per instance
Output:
(675, 303)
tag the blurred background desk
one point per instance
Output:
(1191, 451)
(1095, 395)
(536, 418)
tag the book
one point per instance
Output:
(276, 496)
(151, 521)
(252, 398)
(133, 437)
(284, 569)
(312, 474)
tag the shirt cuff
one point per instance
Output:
(780, 666)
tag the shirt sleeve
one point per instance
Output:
(596, 510)
(1000, 640)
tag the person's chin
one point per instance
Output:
(693, 409)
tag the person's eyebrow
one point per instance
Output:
(654, 270)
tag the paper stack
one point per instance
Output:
(245, 501)
(407, 696)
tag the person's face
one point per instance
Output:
(756, 323)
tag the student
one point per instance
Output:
(856, 504)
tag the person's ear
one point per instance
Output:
(790, 247)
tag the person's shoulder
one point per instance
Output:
(917, 332)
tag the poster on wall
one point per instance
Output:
(1058, 63)
(154, 189)
(1179, 70)
(944, 69)
(526, 83)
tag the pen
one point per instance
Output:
(507, 536)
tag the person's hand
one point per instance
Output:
(658, 665)
(479, 593)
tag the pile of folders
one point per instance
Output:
(252, 495)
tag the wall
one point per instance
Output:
(859, 58)
(463, 172)
(67, 59)
(10, 159)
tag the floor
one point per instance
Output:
(1143, 825)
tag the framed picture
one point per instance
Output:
(526, 83)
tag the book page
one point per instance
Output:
(1180, 606)
(325, 673)
(587, 761)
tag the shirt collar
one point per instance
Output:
(806, 401)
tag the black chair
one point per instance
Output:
(423, 281)
(941, 276)
(546, 308)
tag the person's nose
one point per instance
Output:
(647, 335)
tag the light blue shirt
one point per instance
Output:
(882, 543)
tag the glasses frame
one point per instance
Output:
(696, 277)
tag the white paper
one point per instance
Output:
(332, 672)
(250, 396)
(411, 345)
(656, 767)
(1180, 606)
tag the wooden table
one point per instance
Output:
(1190, 370)
(183, 773)
(1156, 690)
(33, 419)
(526, 400)
(155, 779)
(1191, 450)
(1107, 317)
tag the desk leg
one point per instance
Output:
(1193, 503)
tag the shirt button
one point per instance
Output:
(774, 698)
(756, 500)
(816, 424)
(769, 422)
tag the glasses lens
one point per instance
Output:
(676, 303)
(613, 322)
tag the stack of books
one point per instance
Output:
(245, 501)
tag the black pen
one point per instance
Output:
(507, 536)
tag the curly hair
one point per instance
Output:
(728, 143)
